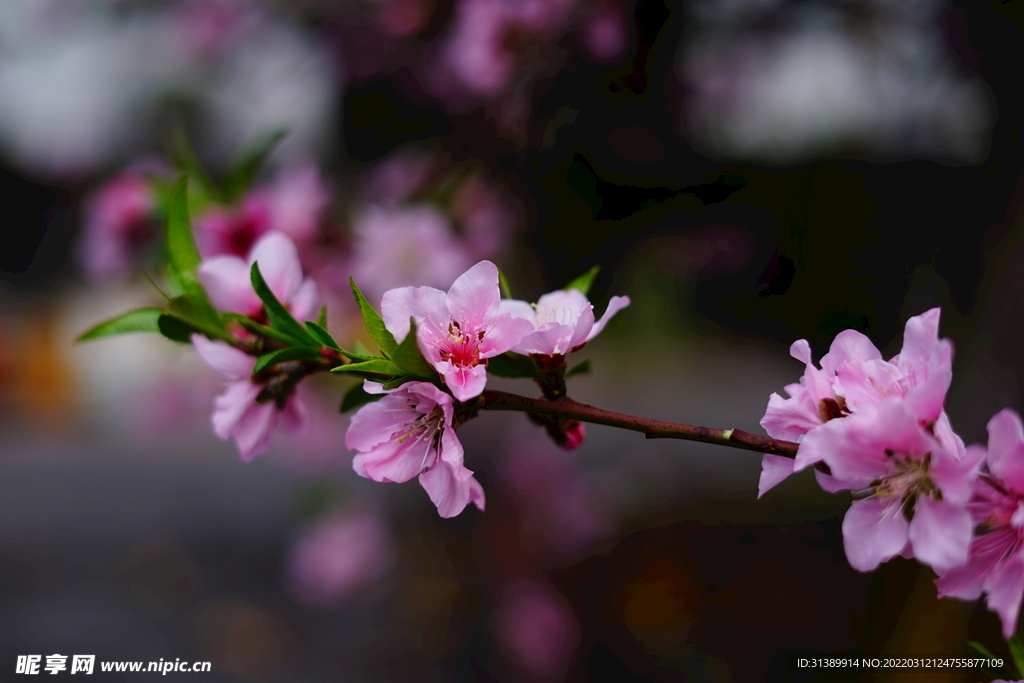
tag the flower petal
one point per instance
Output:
(254, 431)
(229, 362)
(475, 296)
(421, 303)
(616, 304)
(447, 492)
(1005, 587)
(873, 533)
(1006, 448)
(294, 418)
(940, 533)
(465, 383)
(774, 469)
(279, 264)
(227, 283)
(231, 405)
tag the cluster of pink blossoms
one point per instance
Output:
(877, 428)
(411, 431)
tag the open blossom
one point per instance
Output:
(118, 226)
(409, 433)
(242, 412)
(228, 281)
(458, 331)
(852, 377)
(913, 480)
(562, 321)
(996, 563)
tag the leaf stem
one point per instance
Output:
(651, 428)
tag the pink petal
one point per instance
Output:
(1005, 587)
(616, 304)
(376, 423)
(940, 533)
(305, 303)
(448, 493)
(873, 534)
(228, 361)
(476, 494)
(503, 334)
(516, 309)
(465, 383)
(791, 418)
(925, 400)
(475, 295)
(1006, 448)
(230, 406)
(421, 303)
(279, 263)
(294, 418)
(986, 551)
(253, 432)
(849, 345)
(956, 477)
(227, 284)
(395, 462)
(801, 351)
(774, 468)
(830, 484)
(919, 338)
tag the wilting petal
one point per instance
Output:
(940, 533)
(616, 304)
(279, 264)
(227, 283)
(873, 532)
(475, 295)
(774, 468)
(229, 362)
(421, 303)
(255, 429)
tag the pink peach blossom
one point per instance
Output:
(338, 557)
(118, 226)
(996, 562)
(458, 331)
(914, 482)
(537, 629)
(562, 321)
(228, 282)
(409, 433)
(242, 412)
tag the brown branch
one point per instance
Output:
(652, 429)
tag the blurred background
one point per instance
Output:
(749, 172)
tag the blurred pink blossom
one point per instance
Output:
(403, 245)
(537, 629)
(206, 29)
(339, 557)
(458, 331)
(118, 226)
(484, 215)
(604, 32)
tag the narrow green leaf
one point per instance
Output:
(254, 326)
(285, 355)
(280, 318)
(357, 396)
(377, 368)
(185, 159)
(1017, 652)
(181, 244)
(321, 319)
(583, 282)
(506, 288)
(512, 365)
(374, 323)
(176, 329)
(139, 320)
(360, 357)
(409, 357)
(980, 651)
(321, 335)
(578, 369)
(242, 174)
(195, 311)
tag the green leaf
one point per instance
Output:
(374, 323)
(321, 319)
(185, 159)
(254, 326)
(139, 320)
(378, 368)
(242, 174)
(578, 369)
(512, 365)
(285, 355)
(280, 318)
(361, 349)
(181, 243)
(980, 651)
(396, 382)
(196, 313)
(506, 288)
(318, 332)
(409, 357)
(583, 282)
(357, 396)
(1017, 652)
(175, 329)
